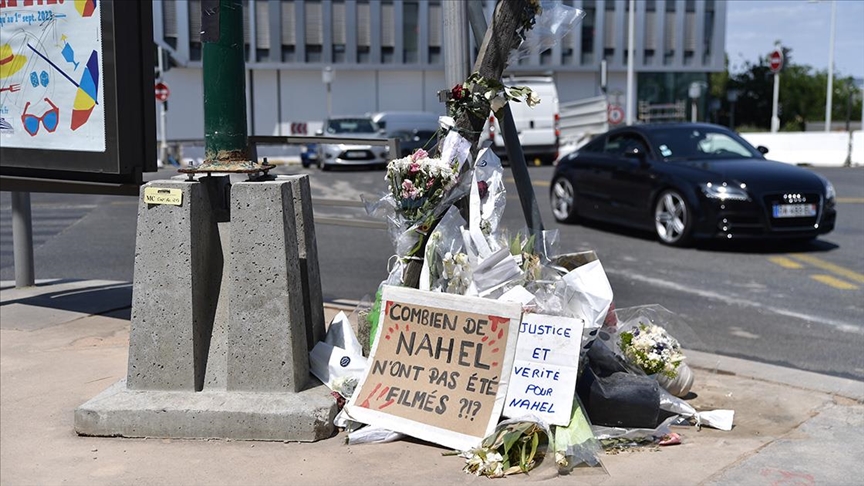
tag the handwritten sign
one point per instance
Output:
(439, 367)
(545, 368)
(157, 195)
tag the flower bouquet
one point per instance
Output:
(418, 189)
(653, 350)
(514, 447)
(650, 348)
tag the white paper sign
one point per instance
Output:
(545, 369)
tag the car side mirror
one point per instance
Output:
(762, 149)
(319, 132)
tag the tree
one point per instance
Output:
(802, 95)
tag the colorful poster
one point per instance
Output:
(51, 85)
(439, 368)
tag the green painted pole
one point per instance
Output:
(225, 137)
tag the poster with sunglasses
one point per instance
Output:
(51, 75)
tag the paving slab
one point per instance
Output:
(783, 434)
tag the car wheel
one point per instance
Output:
(562, 197)
(673, 219)
(321, 165)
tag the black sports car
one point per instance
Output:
(690, 180)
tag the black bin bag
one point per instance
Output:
(615, 397)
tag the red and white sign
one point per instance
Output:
(162, 91)
(775, 60)
(298, 128)
(616, 114)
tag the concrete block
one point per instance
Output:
(267, 332)
(121, 412)
(307, 249)
(178, 268)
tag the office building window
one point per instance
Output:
(339, 28)
(587, 32)
(410, 32)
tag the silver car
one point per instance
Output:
(340, 154)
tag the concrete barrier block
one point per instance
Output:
(307, 249)
(267, 330)
(178, 266)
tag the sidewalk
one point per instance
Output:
(63, 342)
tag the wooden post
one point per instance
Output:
(501, 37)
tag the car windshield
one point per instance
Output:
(351, 125)
(698, 143)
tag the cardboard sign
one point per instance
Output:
(439, 368)
(545, 368)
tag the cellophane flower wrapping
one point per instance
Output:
(650, 348)
(554, 21)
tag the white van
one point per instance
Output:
(537, 127)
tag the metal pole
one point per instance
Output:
(22, 240)
(775, 120)
(830, 92)
(163, 117)
(732, 116)
(631, 52)
(455, 42)
(225, 137)
(693, 110)
(518, 166)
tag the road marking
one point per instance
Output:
(533, 182)
(356, 223)
(734, 300)
(785, 262)
(836, 269)
(834, 282)
(850, 200)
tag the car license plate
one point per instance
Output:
(794, 210)
(355, 154)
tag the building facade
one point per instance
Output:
(387, 55)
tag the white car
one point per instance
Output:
(340, 154)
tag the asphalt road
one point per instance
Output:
(793, 306)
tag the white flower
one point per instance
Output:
(497, 103)
(533, 99)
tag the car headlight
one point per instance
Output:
(724, 192)
(830, 193)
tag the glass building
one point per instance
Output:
(388, 55)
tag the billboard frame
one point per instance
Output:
(130, 119)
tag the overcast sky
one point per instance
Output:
(752, 27)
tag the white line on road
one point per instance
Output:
(839, 325)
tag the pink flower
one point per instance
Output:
(408, 190)
(430, 183)
(414, 168)
(482, 189)
(418, 154)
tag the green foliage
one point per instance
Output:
(802, 96)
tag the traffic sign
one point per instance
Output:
(775, 60)
(615, 115)
(162, 91)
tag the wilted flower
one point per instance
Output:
(482, 189)
(533, 99)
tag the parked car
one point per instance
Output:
(340, 154)
(414, 129)
(309, 155)
(685, 181)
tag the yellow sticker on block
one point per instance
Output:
(158, 195)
